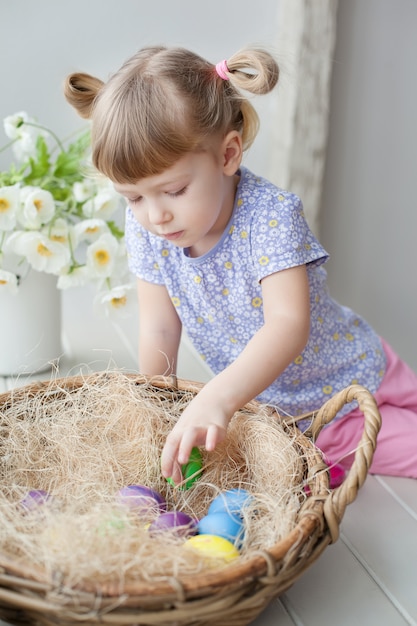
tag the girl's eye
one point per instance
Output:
(175, 194)
(133, 201)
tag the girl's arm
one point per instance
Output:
(283, 336)
(159, 330)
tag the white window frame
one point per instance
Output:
(305, 41)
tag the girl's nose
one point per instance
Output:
(157, 214)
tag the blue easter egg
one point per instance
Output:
(230, 501)
(222, 524)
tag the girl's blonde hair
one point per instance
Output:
(164, 103)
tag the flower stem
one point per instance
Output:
(8, 145)
(49, 131)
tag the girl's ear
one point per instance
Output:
(232, 152)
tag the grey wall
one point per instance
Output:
(369, 212)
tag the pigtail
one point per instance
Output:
(253, 70)
(81, 91)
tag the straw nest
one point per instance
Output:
(82, 443)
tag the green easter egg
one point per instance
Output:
(111, 526)
(191, 473)
(195, 456)
(191, 470)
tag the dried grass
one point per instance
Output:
(82, 445)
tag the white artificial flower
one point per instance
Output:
(25, 146)
(64, 225)
(103, 183)
(43, 254)
(38, 207)
(83, 190)
(13, 124)
(118, 301)
(121, 268)
(8, 282)
(24, 136)
(89, 230)
(58, 231)
(77, 277)
(103, 205)
(15, 243)
(9, 205)
(101, 255)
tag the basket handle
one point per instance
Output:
(338, 499)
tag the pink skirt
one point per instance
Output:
(396, 450)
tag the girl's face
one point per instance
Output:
(190, 203)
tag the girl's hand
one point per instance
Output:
(202, 423)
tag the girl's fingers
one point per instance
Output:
(177, 452)
(190, 438)
(214, 435)
(169, 463)
(176, 473)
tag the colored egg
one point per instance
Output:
(142, 499)
(34, 499)
(191, 473)
(212, 547)
(230, 501)
(337, 475)
(183, 524)
(191, 470)
(195, 456)
(111, 526)
(224, 525)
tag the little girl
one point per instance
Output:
(230, 257)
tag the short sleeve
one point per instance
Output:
(140, 253)
(281, 237)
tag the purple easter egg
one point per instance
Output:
(34, 499)
(183, 524)
(142, 499)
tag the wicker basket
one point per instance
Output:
(232, 596)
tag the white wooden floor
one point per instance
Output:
(368, 578)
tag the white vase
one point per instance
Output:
(30, 325)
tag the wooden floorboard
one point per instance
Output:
(275, 615)
(338, 590)
(403, 490)
(386, 542)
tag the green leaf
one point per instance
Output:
(13, 176)
(69, 164)
(39, 167)
(115, 230)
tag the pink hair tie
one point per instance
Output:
(221, 69)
